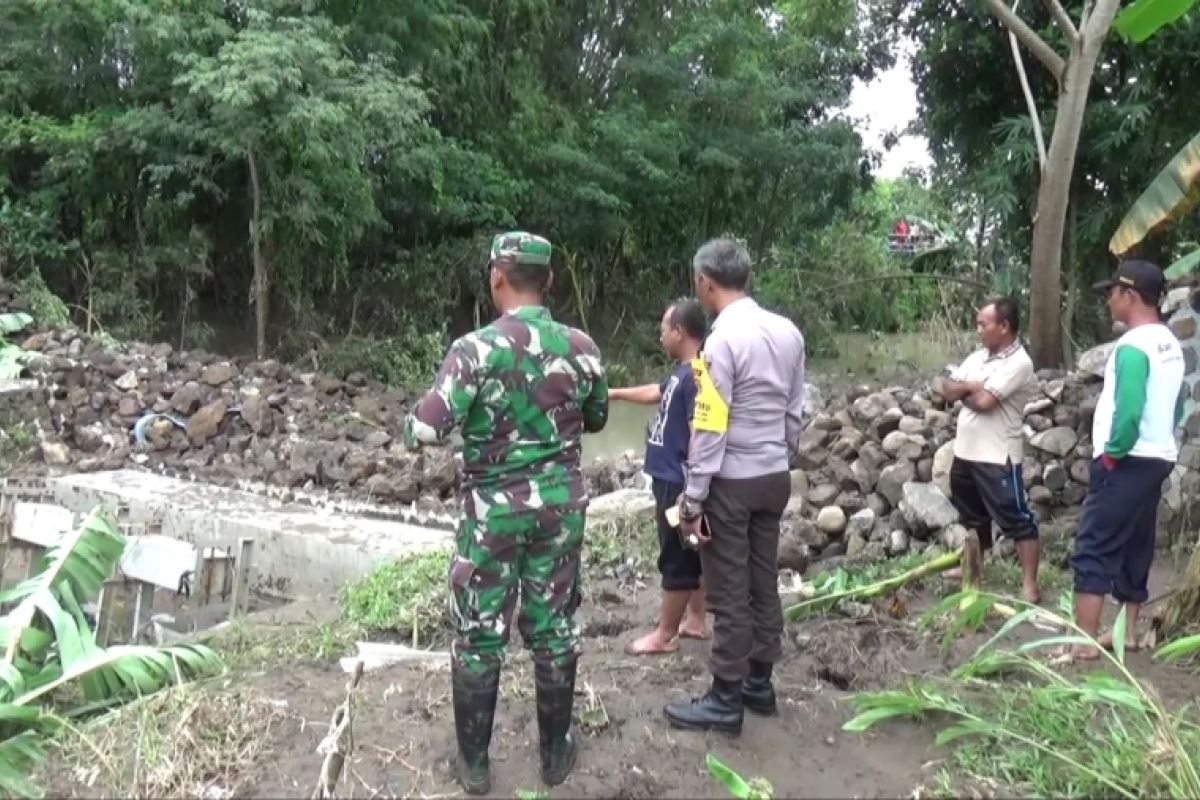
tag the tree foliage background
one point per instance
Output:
(166, 165)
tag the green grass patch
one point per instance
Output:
(1022, 727)
(244, 646)
(406, 596)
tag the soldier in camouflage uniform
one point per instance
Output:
(523, 390)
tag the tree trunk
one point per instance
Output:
(1045, 278)
(1068, 320)
(262, 285)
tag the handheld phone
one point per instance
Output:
(690, 541)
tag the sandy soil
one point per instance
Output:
(403, 724)
(404, 721)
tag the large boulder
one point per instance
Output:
(925, 506)
(1055, 441)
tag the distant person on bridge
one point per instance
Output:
(986, 484)
(523, 390)
(1133, 438)
(746, 427)
(681, 333)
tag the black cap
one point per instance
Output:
(1141, 276)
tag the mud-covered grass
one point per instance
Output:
(284, 675)
(196, 740)
(245, 646)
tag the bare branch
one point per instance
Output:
(1028, 37)
(1062, 18)
(1034, 118)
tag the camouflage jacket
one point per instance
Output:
(523, 390)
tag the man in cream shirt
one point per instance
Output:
(986, 485)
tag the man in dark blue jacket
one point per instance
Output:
(682, 331)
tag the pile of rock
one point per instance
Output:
(872, 472)
(98, 405)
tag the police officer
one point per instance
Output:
(523, 390)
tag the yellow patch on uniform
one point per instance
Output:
(711, 412)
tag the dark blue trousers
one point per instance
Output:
(1115, 543)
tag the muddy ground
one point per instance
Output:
(255, 731)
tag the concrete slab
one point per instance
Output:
(298, 550)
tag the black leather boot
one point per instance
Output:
(474, 710)
(718, 710)
(758, 695)
(555, 699)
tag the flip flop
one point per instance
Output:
(632, 650)
(1129, 648)
(1068, 656)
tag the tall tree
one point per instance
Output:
(1074, 78)
(284, 98)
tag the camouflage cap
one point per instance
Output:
(518, 247)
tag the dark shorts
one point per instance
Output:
(1115, 543)
(679, 565)
(987, 493)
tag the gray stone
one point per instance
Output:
(219, 374)
(1073, 494)
(892, 480)
(1055, 477)
(831, 520)
(911, 425)
(861, 523)
(925, 470)
(841, 474)
(1056, 441)
(799, 482)
(1039, 422)
(807, 532)
(893, 442)
(55, 454)
(850, 502)
(795, 506)
(872, 455)
(127, 382)
(889, 421)
(1092, 362)
(1041, 495)
(926, 506)
(879, 504)
(204, 424)
(866, 409)
(814, 401)
(938, 419)
(823, 494)
(186, 399)
(813, 438)
(1066, 417)
(855, 545)
(898, 542)
(1189, 456)
(793, 553)
(942, 461)
(1080, 471)
(953, 536)
(866, 475)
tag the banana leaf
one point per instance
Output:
(15, 321)
(1173, 193)
(1188, 265)
(48, 644)
(18, 755)
(1142, 19)
(12, 361)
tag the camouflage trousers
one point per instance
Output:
(535, 551)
